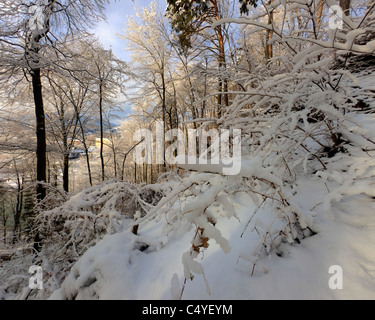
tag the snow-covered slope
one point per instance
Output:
(126, 266)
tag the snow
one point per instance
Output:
(337, 203)
(117, 269)
(36, 21)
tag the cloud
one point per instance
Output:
(108, 31)
(117, 14)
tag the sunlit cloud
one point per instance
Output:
(117, 15)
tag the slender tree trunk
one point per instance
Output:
(101, 129)
(223, 81)
(113, 148)
(84, 145)
(220, 97)
(4, 220)
(18, 212)
(66, 171)
(135, 172)
(115, 161)
(144, 171)
(269, 46)
(164, 110)
(54, 168)
(18, 208)
(123, 167)
(319, 12)
(88, 162)
(126, 155)
(66, 149)
(151, 174)
(203, 110)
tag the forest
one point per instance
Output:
(238, 138)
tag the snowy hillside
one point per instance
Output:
(151, 265)
(119, 268)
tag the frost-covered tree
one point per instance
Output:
(32, 37)
(107, 75)
(62, 122)
(151, 57)
(189, 18)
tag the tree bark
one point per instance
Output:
(269, 46)
(66, 172)
(19, 203)
(41, 148)
(66, 149)
(164, 110)
(319, 12)
(79, 121)
(87, 160)
(101, 129)
(223, 81)
(345, 5)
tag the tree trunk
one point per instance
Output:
(114, 160)
(4, 220)
(126, 155)
(88, 163)
(223, 81)
(203, 110)
(84, 144)
(164, 107)
(66, 171)
(345, 5)
(135, 172)
(269, 46)
(101, 129)
(19, 202)
(319, 12)
(66, 149)
(113, 148)
(41, 148)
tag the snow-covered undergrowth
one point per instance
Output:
(214, 237)
(72, 227)
(302, 202)
(154, 264)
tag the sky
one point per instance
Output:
(117, 14)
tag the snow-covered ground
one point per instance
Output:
(343, 203)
